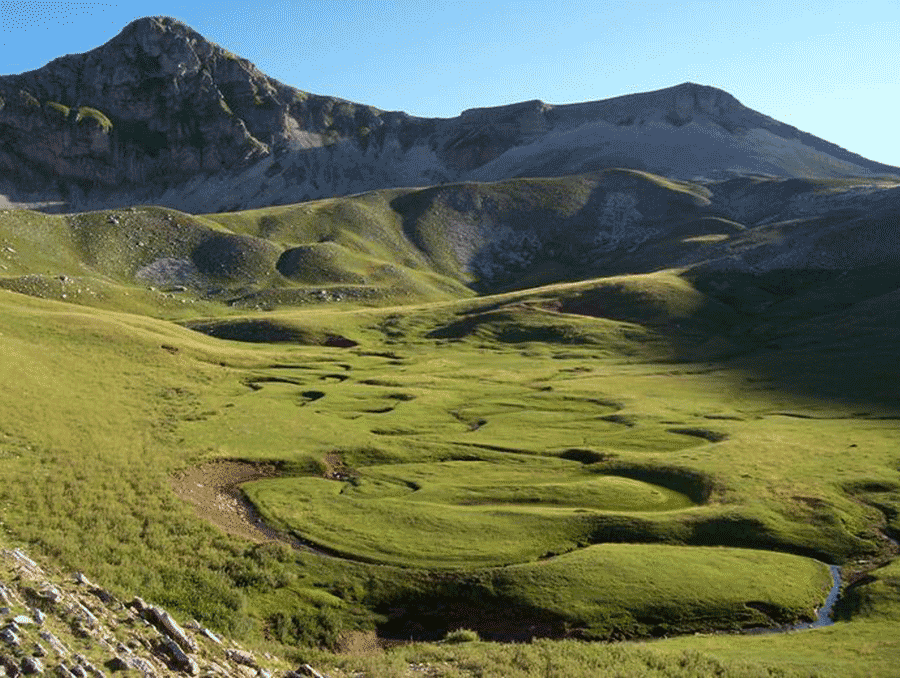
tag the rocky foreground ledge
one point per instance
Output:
(72, 628)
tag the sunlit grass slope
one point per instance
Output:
(672, 451)
(457, 513)
(512, 446)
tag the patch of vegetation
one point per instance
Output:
(461, 636)
(88, 113)
(59, 108)
(28, 100)
(455, 513)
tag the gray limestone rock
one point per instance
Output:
(9, 636)
(180, 661)
(80, 578)
(168, 625)
(32, 666)
(86, 667)
(21, 562)
(54, 643)
(241, 657)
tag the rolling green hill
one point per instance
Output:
(601, 407)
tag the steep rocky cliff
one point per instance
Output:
(161, 115)
(157, 104)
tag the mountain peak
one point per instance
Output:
(163, 113)
(682, 102)
(159, 25)
(153, 28)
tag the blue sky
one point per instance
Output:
(828, 68)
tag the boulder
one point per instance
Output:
(32, 666)
(179, 660)
(241, 657)
(165, 623)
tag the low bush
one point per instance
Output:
(88, 113)
(461, 636)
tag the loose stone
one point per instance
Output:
(241, 657)
(32, 666)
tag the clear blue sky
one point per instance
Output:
(829, 68)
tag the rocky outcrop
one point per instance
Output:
(159, 104)
(161, 115)
(76, 629)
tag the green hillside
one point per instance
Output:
(576, 450)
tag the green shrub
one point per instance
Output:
(62, 109)
(88, 113)
(306, 627)
(461, 636)
(28, 100)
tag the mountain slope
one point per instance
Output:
(161, 115)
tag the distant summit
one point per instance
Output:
(161, 115)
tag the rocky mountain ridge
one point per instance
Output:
(161, 115)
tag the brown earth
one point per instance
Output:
(214, 490)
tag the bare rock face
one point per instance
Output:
(157, 103)
(151, 100)
(160, 115)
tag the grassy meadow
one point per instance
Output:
(622, 458)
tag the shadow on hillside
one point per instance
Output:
(254, 330)
(822, 334)
(815, 333)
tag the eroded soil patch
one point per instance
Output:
(214, 490)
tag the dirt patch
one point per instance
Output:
(214, 490)
(337, 469)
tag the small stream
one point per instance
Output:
(823, 617)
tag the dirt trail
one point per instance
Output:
(214, 490)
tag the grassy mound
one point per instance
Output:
(457, 513)
(234, 258)
(655, 299)
(322, 263)
(616, 590)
